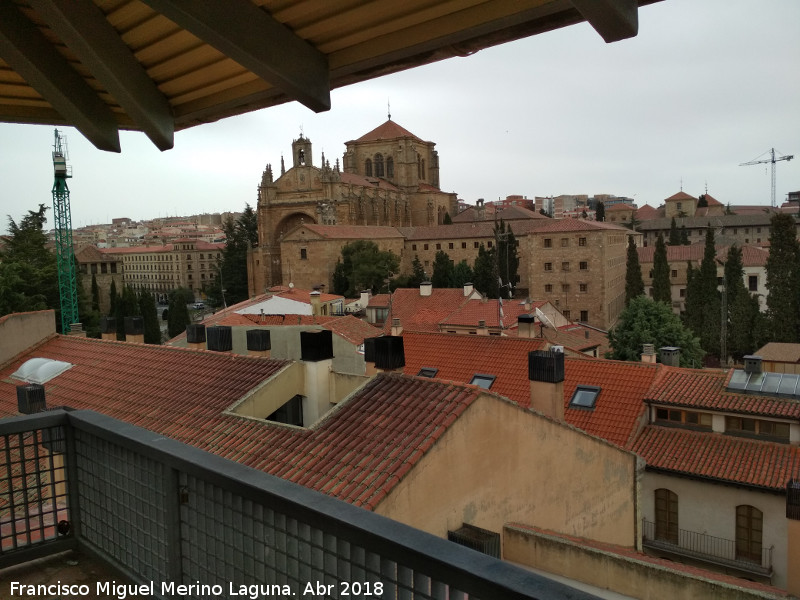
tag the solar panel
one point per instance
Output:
(755, 382)
(738, 380)
(771, 383)
(789, 385)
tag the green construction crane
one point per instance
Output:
(65, 254)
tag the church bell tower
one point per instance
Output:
(301, 152)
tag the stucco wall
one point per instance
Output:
(499, 463)
(710, 508)
(20, 331)
(621, 574)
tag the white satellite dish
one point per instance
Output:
(544, 319)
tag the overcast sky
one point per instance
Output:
(706, 85)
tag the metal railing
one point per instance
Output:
(163, 512)
(707, 547)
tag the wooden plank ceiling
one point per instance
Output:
(159, 66)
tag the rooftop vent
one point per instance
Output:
(546, 366)
(134, 326)
(258, 340)
(40, 370)
(220, 338)
(526, 319)
(316, 345)
(369, 349)
(30, 398)
(389, 354)
(196, 333)
(108, 325)
(671, 356)
(752, 364)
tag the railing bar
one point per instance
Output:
(39, 485)
(24, 480)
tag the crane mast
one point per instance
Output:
(65, 254)
(771, 160)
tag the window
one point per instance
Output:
(680, 206)
(489, 243)
(103, 268)
(583, 287)
(548, 266)
(566, 314)
(379, 165)
(413, 246)
(303, 254)
(389, 167)
(565, 266)
(674, 273)
(463, 244)
(476, 538)
(749, 528)
(585, 396)
(368, 168)
(757, 427)
(481, 380)
(113, 267)
(475, 245)
(450, 246)
(582, 241)
(548, 243)
(752, 283)
(425, 246)
(584, 315)
(427, 372)
(438, 246)
(548, 287)
(564, 242)
(682, 292)
(672, 416)
(94, 268)
(583, 265)
(758, 229)
(666, 515)
(564, 287)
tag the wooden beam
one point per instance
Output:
(29, 53)
(247, 34)
(82, 26)
(614, 20)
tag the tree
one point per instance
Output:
(634, 284)
(744, 322)
(417, 272)
(702, 298)
(684, 236)
(28, 270)
(363, 265)
(645, 321)
(783, 280)
(507, 257)
(600, 212)
(447, 220)
(113, 298)
(485, 273)
(127, 306)
(442, 270)
(147, 307)
(633, 223)
(95, 294)
(462, 273)
(178, 317)
(702, 201)
(662, 290)
(240, 235)
(674, 235)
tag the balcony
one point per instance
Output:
(709, 550)
(163, 512)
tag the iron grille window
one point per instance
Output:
(476, 538)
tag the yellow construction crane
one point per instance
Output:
(771, 160)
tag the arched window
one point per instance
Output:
(379, 165)
(368, 168)
(666, 515)
(749, 529)
(390, 167)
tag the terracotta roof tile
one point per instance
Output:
(780, 352)
(723, 457)
(570, 224)
(423, 313)
(352, 329)
(388, 130)
(361, 180)
(680, 196)
(359, 232)
(647, 212)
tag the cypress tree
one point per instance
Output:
(662, 291)
(600, 212)
(684, 236)
(147, 306)
(113, 299)
(711, 318)
(783, 280)
(442, 270)
(634, 284)
(674, 234)
(485, 273)
(95, 294)
(743, 312)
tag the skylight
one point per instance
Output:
(585, 396)
(484, 381)
(427, 372)
(765, 384)
(40, 370)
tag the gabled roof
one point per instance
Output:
(647, 212)
(752, 256)
(469, 313)
(569, 224)
(713, 201)
(352, 329)
(388, 130)
(357, 453)
(422, 313)
(621, 207)
(373, 182)
(680, 196)
(720, 457)
(779, 352)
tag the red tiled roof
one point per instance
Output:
(620, 207)
(752, 256)
(723, 457)
(380, 300)
(712, 201)
(705, 388)
(780, 352)
(356, 232)
(357, 453)
(373, 182)
(680, 196)
(647, 212)
(388, 130)
(423, 313)
(286, 319)
(469, 313)
(570, 224)
(352, 329)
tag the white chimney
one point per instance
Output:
(468, 287)
(425, 288)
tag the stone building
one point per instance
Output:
(389, 177)
(105, 268)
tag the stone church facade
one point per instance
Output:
(388, 177)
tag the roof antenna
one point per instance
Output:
(389, 109)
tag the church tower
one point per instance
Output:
(301, 152)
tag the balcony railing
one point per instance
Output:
(161, 511)
(708, 548)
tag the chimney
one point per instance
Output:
(316, 352)
(546, 374)
(752, 364)
(76, 329)
(196, 336)
(468, 288)
(482, 329)
(369, 356)
(793, 536)
(30, 398)
(364, 301)
(670, 356)
(259, 343)
(219, 338)
(108, 328)
(526, 326)
(528, 303)
(425, 288)
(316, 303)
(389, 354)
(397, 329)
(134, 330)
(648, 353)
